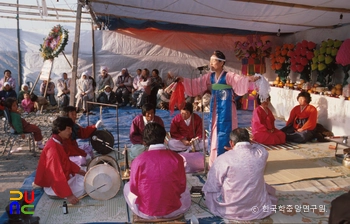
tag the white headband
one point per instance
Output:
(216, 58)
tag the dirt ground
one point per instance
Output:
(20, 164)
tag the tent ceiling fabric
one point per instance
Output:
(254, 15)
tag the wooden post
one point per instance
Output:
(19, 55)
(47, 85)
(75, 54)
(93, 54)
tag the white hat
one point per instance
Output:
(24, 85)
(123, 69)
(107, 86)
(104, 68)
(86, 73)
(102, 182)
(6, 83)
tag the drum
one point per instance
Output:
(103, 159)
(102, 180)
(102, 141)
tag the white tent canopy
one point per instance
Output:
(289, 16)
(166, 50)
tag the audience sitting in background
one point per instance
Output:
(63, 87)
(104, 79)
(8, 78)
(235, 182)
(24, 89)
(135, 82)
(124, 87)
(143, 89)
(39, 102)
(107, 96)
(263, 125)
(302, 120)
(50, 92)
(56, 173)
(164, 94)
(7, 91)
(200, 104)
(137, 127)
(156, 84)
(157, 186)
(85, 91)
(20, 125)
(27, 104)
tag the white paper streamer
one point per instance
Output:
(263, 87)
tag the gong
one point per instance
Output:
(102, 141)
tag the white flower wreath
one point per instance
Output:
(54, 43)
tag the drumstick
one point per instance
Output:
(84, 195)
(71, 205)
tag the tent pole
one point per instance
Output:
(93, 53)
(19, 56)
(75, 53)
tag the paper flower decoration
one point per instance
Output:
(301, 57)
(252, 48)
(324, 60)
(280, 60)
(54, 43)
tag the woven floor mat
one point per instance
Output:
(287, 145)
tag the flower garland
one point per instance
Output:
(252, 48)
(54, 43)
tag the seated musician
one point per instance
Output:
(302, 121)
(78, 154)
(263, 125)
(137, 126)
(235, 183)
(184, 129)
(157, 187)
(55, 172)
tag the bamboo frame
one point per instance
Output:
(43, 20)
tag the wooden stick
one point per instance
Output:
(83, 196)
(67, 59)
(71, 205)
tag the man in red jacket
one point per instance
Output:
(157, 187)
(78, 154)
(55, 172)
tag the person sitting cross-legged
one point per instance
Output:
(157, 186)
(137, 127)
(302, 120)
(185, 128)
(55, 172)
(235, 188)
